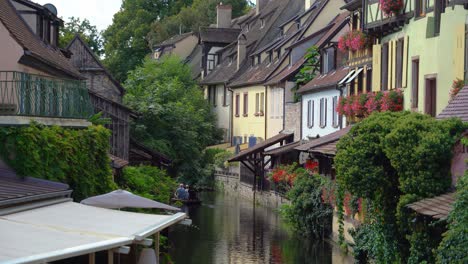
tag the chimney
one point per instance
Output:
(241, 50)
(260, 4)
(224, 16)
(307, 4)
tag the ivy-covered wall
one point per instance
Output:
(78, 157)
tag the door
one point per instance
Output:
(430, 104)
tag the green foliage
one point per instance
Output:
(150, 182)
(375, 241)
(125, 41)
(311, 65)
(76, 157)
(87, 32)
(175, 118)
(391, 160)
(220, 159)
(97, 119)
(201, 13)
(307, 213)
(453, 248)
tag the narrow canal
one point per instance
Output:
(228, 229)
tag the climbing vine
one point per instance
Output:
(78, 157)
(391, 160)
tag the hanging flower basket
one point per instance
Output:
(353, 41)
(391, 7)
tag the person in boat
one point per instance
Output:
(180, 192)
(192, 195)
(187, 192)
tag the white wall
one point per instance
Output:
(223, 112)
(316, 129)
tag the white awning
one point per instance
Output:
(356, 73)
(70, 229)
(346, 77)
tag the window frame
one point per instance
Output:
(237, 106)
(310, 113)
(323, 112)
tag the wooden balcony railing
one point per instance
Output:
(24, 94)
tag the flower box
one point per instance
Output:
(356, 107)
(391, 7)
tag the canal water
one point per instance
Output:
(229, 229)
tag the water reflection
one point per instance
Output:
(228, 229)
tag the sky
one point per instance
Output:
(98, 12)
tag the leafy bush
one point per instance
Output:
(220, 159)
(150, 182)
(308, 214)
(78, 157)
(391, 160)
(455, 240)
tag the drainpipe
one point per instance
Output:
(231, 112)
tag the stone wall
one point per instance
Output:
(230, 183)
(292, 120)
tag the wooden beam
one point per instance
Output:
(92, 258)
(156, 246)
(110, 256)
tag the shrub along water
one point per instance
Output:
(78, 157)
(391, 160)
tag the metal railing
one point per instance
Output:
(24, 94)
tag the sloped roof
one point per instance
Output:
(174, 39)
(438, 207)
(262, 146)
(78, 39)
(219, 35)
(287, 72)
(33, 46)
(17, 190)
(325, 80)
(324, 140)
(458, 107)
(283, 149)
(222, 73)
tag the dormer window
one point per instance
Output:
(328, 62)
(252, 59)
(259, 59)
(262, 23)
(278, 53)
(298, 24)
(270, 57)
(230, 60)
(247, 27)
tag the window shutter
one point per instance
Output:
(309, 108)
(257, 102)
(459, 52)
(376, 65)
(404, 82)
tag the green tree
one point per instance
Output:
(455, 241)
(201, 13)
(87, 32)
(175, 117)
(125, 41)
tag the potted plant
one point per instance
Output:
(391, 7)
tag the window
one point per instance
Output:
(237, 105)
(355, 21)
(323, 112)
(225, 96)
(399, 63)
(278, 53)
(369, 79)
(276, 103)
(246, 104)
(212, 95)
(259, 104)
(415, 83)
(270, 57)
(310, 113)
(420, 8)
(336, 117)
(230, 59)
(262, 23)
(259, 59)
(252, 61)
(384, 69)
(328, 60)
(211, 62)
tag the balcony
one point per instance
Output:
(48, 100)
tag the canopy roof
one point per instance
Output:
(70, 229)
(260, 147)
(333, 137)
(438, 207)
